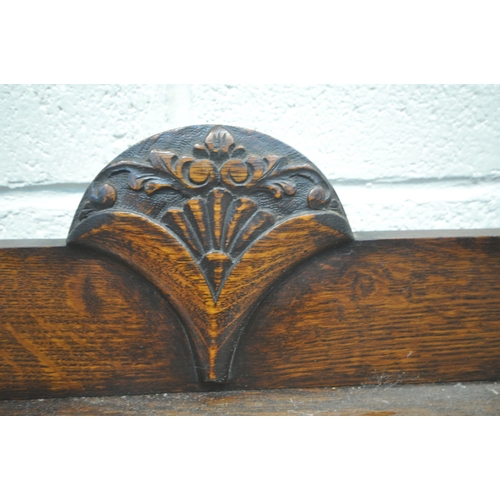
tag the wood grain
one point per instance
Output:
(386, 311)
(218, 258)
(76, 322)
(73, 322)
(212, 216)
(213, 326)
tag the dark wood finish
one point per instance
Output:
(211, 258)
(212, 217)
(73, 322)
(433, 399)
(379, 311)
(382, 311)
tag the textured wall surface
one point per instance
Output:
(399, 156)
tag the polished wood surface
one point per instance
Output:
(212, 216)
(74, 322)
(381, 311)
(426, 399)
(77, 322)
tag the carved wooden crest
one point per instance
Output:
(213, 216)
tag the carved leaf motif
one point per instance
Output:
(163, 160)
(150, 183)
(227, 166)
(243, 209)
(217, 218)
(279, 187)
(274, 162)
(258, 166)
(153, 185)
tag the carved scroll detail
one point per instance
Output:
(217, 193)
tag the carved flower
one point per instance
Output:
(260, 173)
(219, 161)
(219, 140)
(219, 144)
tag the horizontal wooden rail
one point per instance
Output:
(76, 321)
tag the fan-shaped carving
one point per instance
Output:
(232, 200)
(217, 230)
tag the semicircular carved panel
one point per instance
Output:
(213, 216)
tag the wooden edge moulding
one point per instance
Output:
(214, 258)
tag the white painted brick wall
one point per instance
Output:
(399, 156)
